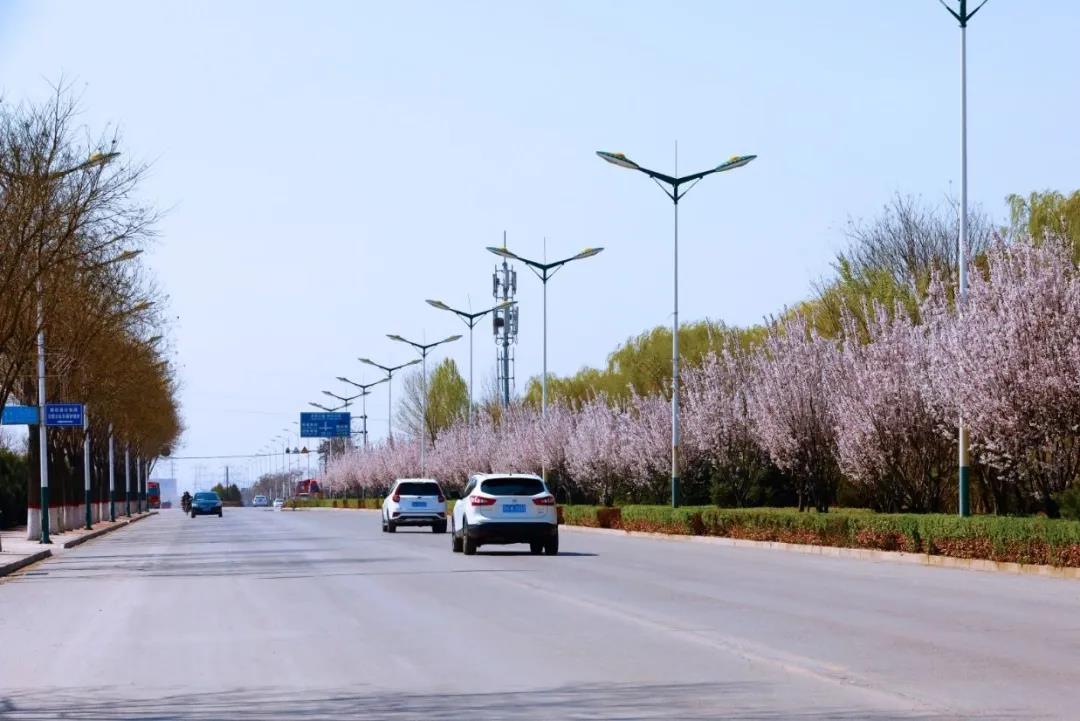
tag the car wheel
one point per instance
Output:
(468, 545)
(219, 513)
(455, 541)
(193, 514)
(551, 548)
(391, 527)
(382, 519)
(536, 547)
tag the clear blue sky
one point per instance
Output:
(327, 166)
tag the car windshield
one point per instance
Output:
(512, 486)
(418, 488)
(206, 497)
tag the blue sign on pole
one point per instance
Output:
(19, 416)
(64, 415)
(325, 425)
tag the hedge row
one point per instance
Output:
(997, 538)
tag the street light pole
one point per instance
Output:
(389, 371)
(112, 477)
(962, 17)
(470, 319)
(43, 442)
(544, 271)
(364, 393)
(674, 183)
(424, 348)
(86, 467)
(127, 480)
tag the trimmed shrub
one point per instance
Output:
(998, 538)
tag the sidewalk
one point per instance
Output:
(19, 552)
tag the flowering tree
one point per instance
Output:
(717, 423)
(646, 427)
(889, 437)
(790, 406)
(1011, 362)
(596, 455)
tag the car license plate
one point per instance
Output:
(419, 504)
(513, 508)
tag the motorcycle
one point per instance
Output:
(185, 504)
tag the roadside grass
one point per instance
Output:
(1053, 542)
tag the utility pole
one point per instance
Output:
(505, 321)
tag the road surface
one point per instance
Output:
(318, 615)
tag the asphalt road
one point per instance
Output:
(318, 615)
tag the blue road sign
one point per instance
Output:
(325, 425)
(64, 415)
(19, 416)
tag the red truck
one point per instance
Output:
(153, 494)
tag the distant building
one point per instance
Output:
(168, 491)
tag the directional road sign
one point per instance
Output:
(64, 415)
(19, 416)
(325, 425)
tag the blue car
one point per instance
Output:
(206, 503)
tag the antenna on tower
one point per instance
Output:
(505, 323)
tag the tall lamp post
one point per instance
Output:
(364, 393)
(544, 271)
(389, 371)
(962, 17)
(424, 348)
(671, 186)
(470, 320)
(94, 161)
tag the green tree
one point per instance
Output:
(643, 364)
(447, 398)
(1048, 214)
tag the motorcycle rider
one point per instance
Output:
(185, 501)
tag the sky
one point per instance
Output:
(326, 166)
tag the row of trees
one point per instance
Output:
(71, 231)
(854, 395)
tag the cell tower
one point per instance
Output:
(505, 323)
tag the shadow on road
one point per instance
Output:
(760, 701)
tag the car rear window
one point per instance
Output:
(206, 496)
(418, 488)
(512, 486)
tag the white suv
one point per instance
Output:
(414, 502)
(500, 508)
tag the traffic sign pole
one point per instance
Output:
(86, 468)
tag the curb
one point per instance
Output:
(102, 531)
(327, 508)
(24, 561)
(864, 554)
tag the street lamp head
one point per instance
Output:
(398, 338)
(343, 379)
(100, 159)
(439, 304)
(503, 253)
(587, 253)
(735, 161)
(450, 339)
(618, 159)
